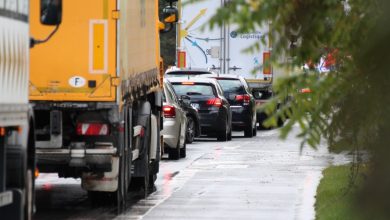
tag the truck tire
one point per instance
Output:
(29, 195)
(142, 183)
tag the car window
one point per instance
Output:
(219, 89)
(169, 93)
(193, 90)
(231, 85)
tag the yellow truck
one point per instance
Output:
(96, 94)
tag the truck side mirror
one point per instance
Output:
(171, 15)
(51, 12)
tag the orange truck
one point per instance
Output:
(96, 94)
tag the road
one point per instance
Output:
(247, 178)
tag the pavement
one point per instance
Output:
(247, 178)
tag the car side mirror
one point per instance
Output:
(51, 12)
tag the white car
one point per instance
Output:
(174, 124)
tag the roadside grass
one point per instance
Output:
(336, 197)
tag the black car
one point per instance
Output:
(193, 121)
(213, 108)
(241, 101)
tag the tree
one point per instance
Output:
(349, 106)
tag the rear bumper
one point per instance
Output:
(241, 117)
(96, 159)
(212, 122)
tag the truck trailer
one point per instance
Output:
(97, 95)
(16, 148)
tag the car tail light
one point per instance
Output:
(217, 102)
(169, 111)
(243, 98)
(305, 90)
(188, 83)
(92, 129)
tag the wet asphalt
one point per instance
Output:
(247, 178)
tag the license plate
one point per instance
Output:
(195, 105)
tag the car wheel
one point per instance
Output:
(280, 122)
(223, 135)
(183, 151)
(229, 137)
(190, 133)
(255, 131)
(248, 132)
(174, 153)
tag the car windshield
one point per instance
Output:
(192, 90)
(231, 85)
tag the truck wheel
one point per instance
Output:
(142, 183)
(120, 194)
(29, 195)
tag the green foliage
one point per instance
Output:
(333, 199)
(349, 106)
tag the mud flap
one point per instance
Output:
(15, 209)
(106, 182)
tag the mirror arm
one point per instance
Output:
(34, 42)
(166, 30)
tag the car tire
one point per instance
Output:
(223, 135)
(280, 122)
(255, 131)
(174, 153)
(183, 151)
(190, 132)
(248, 132)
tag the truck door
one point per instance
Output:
(79, 62)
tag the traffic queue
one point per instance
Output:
(201, 103)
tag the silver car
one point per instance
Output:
(174, 124)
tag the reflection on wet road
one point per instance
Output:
(247, 178)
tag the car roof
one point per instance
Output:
(193, 79)
(189, 71)
(224, 76)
